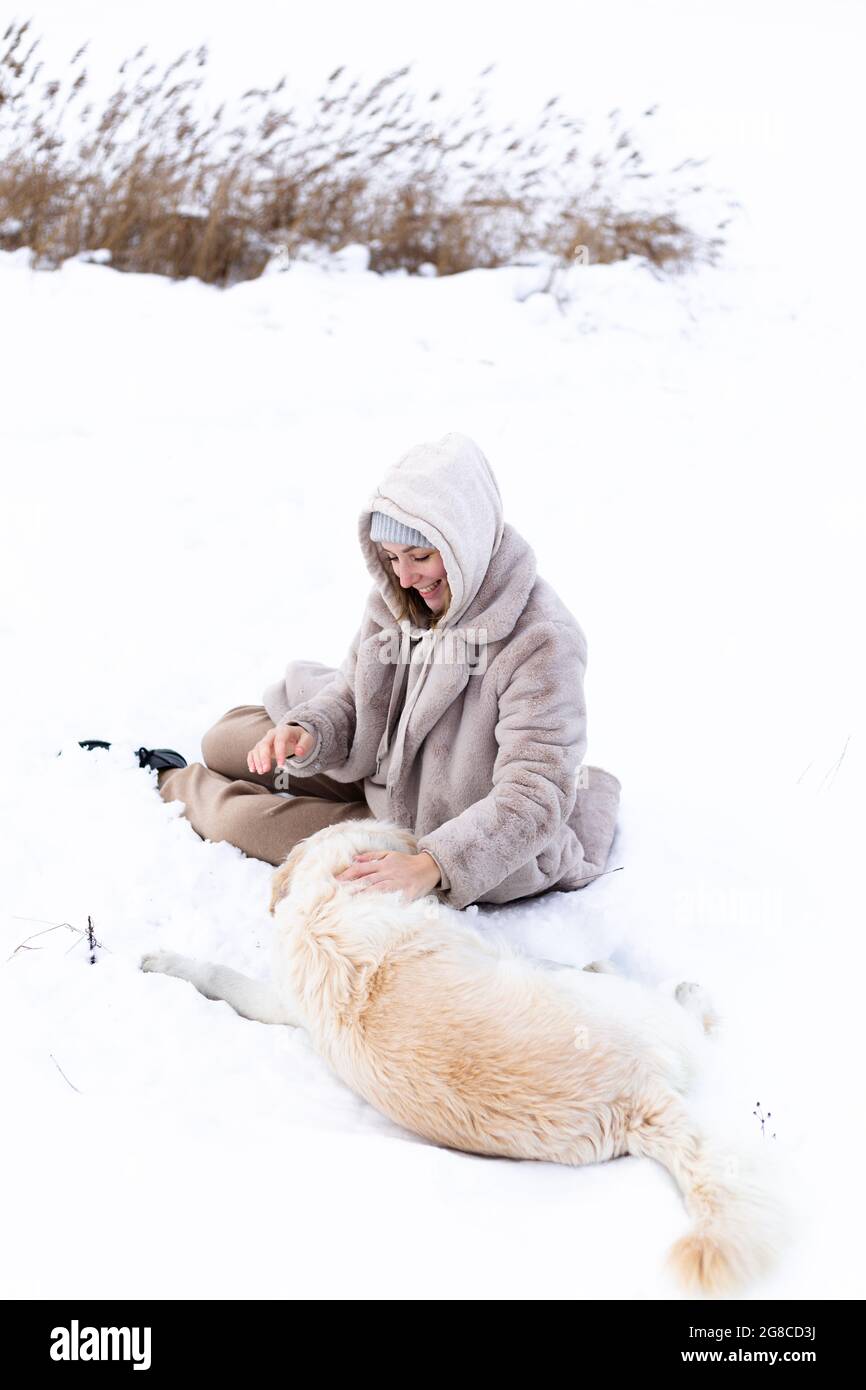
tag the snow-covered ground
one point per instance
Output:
(182, 472)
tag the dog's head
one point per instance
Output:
(283, 875)
(316, 860)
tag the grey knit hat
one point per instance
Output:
(385, 528)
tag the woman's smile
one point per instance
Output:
(427, 593)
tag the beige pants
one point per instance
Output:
(225, 801)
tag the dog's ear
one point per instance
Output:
(282, 876)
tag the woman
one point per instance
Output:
(458, 711)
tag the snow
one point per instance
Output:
(183, 469)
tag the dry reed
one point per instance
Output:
(155, 186)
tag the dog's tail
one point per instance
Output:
(739, 1224)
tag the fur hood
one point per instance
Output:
(447, 491)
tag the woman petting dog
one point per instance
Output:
(458, 711)
(450, 742)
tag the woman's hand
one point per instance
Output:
(415, 875)
(284, 741)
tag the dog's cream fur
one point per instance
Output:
(465, 1042)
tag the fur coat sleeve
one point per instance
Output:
(330, 714)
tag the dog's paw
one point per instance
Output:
(161, 962)
(602, 967)
(696, 1001)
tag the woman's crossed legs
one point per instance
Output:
(225, 801)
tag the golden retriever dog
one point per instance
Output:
(455, 1035)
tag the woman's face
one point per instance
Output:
(418, 567)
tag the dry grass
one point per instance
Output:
(157, 187)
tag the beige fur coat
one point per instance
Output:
(484, 762)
